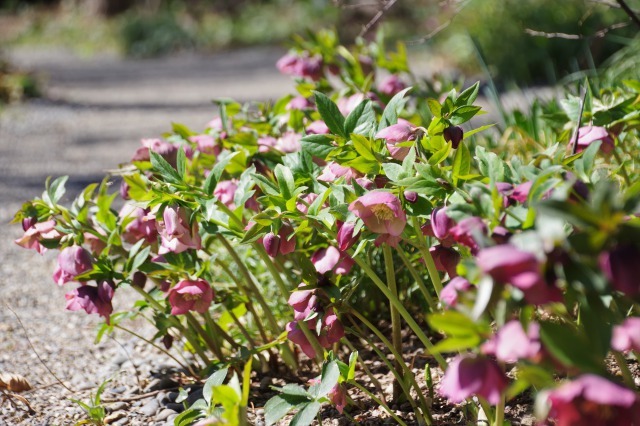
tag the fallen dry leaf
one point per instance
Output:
(14, 382)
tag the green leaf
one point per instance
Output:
(317, 145)
(55, 191)
(164, 168)
(434, 107)
(181, 163)
(286, 182)
(306, 415)
(361, 120)
(394, 171)
(187, 417)
(276, 408)
(362, 145)
(330, 113)
(463, 114)
(453, 323)
(468, 96)
(329, 378)
(216, 379)
(457, 343)
(569, 346)
(461, 163)
(440, 155)
(353, 360)
(294, 390)
(393, 108)
(182, 130)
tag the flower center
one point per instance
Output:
(189, 297)
(382, 212)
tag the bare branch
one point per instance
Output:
(598, 34)
(461, 4)
(377, 17)
(629, 12)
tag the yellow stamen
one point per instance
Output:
(382, 212)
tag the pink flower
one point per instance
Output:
(381, 213)
(333, 171)
(331, 332)
(306, 201)
(468, 232)
(167, 150)
(330, 259)
(449, 294)
(297, 336)
(283, 243)
(72, 261)
(338, 397)
(177, 235)
(626, 336)
(589, 134)
(592, 400)
(225, 190)
(317, 127)
(265, 143)
(446, 259)
(303, 303)
(346, 237)
(142, 227)
(473, 375)
(35, 233)
(403, 131)
(206, 144)
(511, 343)
(289, 142)
(96, 244)
(190, 295)
(299, 103)
(93, 300)
(391, 85)
(521, 192)
(333, 329)
(621, 267)
(271, 243)
(346, 105)
(441, 224)
(301, 66)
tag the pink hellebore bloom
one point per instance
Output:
(626, 336)
(346, 237)
(265, 143)
(333, 171)
(441, 224)
(346, 105)
(381, 213)
(511, 343)
(142, 227)
(391, 85)
(190, 295)
(473, 375)
(176, 233)
(330, 259)
(403, 131)
(306, 201)
(621, 267)
(299, 103)
(297, 336)
(592, 400)
(469, 231)
(303, 303)
(96, 244)
(301, 66)
(206, 144)
(449, 294)
(317, 127)
(35, 233)
(167, 150)
(225, 190)
(93, 300)
(72, 261)
(521, 192)
(446, 259)
(289, 142)
(283, 243)
(338, 397)
(508, 264)
(332, 331)
(589, 134)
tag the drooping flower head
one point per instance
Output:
(450, 292)
(142, 227)
(403, 131)
(621, 267)
(72, 261)
(93, 300)
(468, 232)
(626, 336)
(346, 237)
(35, 233)
(511, 343)
(381, 213)
(177, 234)
(190, 295)
(592, 400)
(589, 134)
(330, 259)
(473, 375)
(167, 150)
(391, 85)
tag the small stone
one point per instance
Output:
(162, 397)
(117, 415)
(150, 408)
(164, 414)
(119, 359)
(178, 408)
(170, 419)
(193, 397)
(159, 384)
(122, 422)
(117, 390)
(116, 406)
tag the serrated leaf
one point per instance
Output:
(161, 166)
(434, 107)
(330, 113)
(469, 95)
(306, 415)
(285, 180)
(393, 108)
(275, 409)
(362, 145)
(461, 163)
(361, 120)
(329, 378)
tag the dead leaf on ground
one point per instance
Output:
(14, 382)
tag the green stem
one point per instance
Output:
(428, 259)
(380, 403)
(402, 310)
(363, 364)
(418, 279)
(398, 356)
(624, 369)
(313, 339)
(272, 269)
(396, 326)
(211, 344)
(623, 169)
(242, 328)
(499, 418)
(213, 326)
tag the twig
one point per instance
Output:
(576, 134)
(377, 17)
(135, 397)
(135, 369)
(624, 6)
(599, 34)
(36, 352)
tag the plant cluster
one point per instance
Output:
(323, 225)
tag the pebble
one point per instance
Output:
(164, 414)
(193, 397)
(116, 406)
(170, 419)
(117, 415)
(161, 383)
(178, 408)
(150, 408)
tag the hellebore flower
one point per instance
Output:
(281, 243)
(331, 332)
(299, 103)
(72, 261)
(317, 127)
(346, 105)
(403, 131)
(441, 224)
(334, 331)
(306, 201)
(330, 259)
(346, 237)
(167, 150)
(468, 231)
(592, 400)
(190, 295)
(626, 336)
(35, 233)
(621, 267)
(511, 343)
(521, 192)
(142, 227)
(333, 171)
(289, 142)
(446, 259)
(226, 190)
(271, 243)
(265, 143)
(449, 293)
(473, 375)
(96, 244)
(206, 144)
(177, 235)
(303, 303)
(453, 134)
(297, 336)
(381, 213)
(589, 134)
(301, 66)
(93, 300)
(391, 85)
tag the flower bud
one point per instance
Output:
(453, 134)
(271, 244)
(411, 196)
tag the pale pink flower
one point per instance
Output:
(333, 171)
(93, 300)
(403, 131)
(626, 336)
(35, 233)
(303, 303)
(449, 293)
(177, 235)
(206, 144)
(346, 237)
(190, 295)
(469, 231)
(142, 227)
(381, 212)
(167, 150)
(72, 261)
(330, 259)
(346, 105)
(473, 375)
(391, 85)
(589, 134)
(317, 127)
(511, 343)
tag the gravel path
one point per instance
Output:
(92, 118)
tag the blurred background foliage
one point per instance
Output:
(475, 38)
